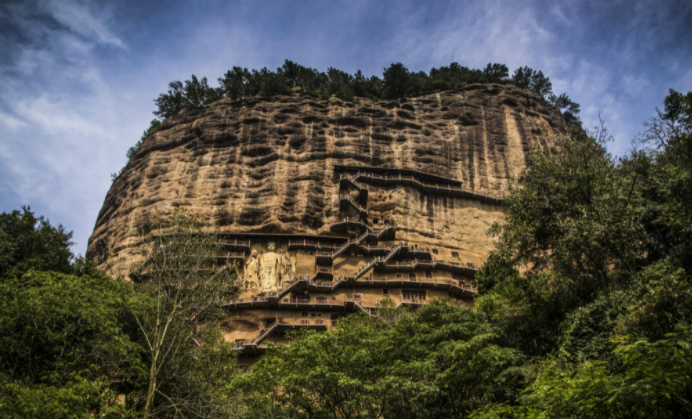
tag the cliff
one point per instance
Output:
(267, 166)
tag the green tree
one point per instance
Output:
(570, 110)
(292, 72)
(666, 162)
(234, 83)
(595, 249)
(178, 275)
(71, 342)
(395, 81)
(193, 93)
(573, 228)
(65, 350)
(496, 72)
(442, 361)
(529, 78)
(192, 383)
(28, 242)
(453, 77)
(340, 84)
(653, 380)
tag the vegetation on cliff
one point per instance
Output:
(397, 82)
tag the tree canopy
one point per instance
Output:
(396, 82)
(73, 342)
(442, 361)
(592, 275)
(28, 242)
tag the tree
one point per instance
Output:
(652, 380)
(291, 71)
(234, 83)
(442, 361)
(574, 229)
(529, 78)
(193, 94)
(592, 274)
(65, 346)
(179, 275)
(570, 110)
(453, 77)
(395, 81)
(192, 383)
(340, 84)
(496, 72)
(27, 242)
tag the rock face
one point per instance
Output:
(268, 166)
(329, 207)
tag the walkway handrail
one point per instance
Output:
(387, 178)
(336, 284)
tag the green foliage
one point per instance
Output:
(573, 227)
(529, 78)
(678, 111)
(77, 399)
(64, 346)
(652, 380)
(183, 290)
(570, 110)
(192, 382)
(70, 345)
(28, 242)
(496, 71)
(397, 82)
(234, 83)
(667, 167)
(594, 249)
(193, 93)
(443, 361)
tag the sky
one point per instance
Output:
(78, 78)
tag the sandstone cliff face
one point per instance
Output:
(267, 166)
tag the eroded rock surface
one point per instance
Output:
(267, 166)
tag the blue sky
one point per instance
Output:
(78, 78)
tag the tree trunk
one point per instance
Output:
(151, 391)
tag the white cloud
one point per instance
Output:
(10, 122)
(78, 17)
(67, 117)
(63, 124)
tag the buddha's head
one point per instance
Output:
(253, 254)
(271, 246)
